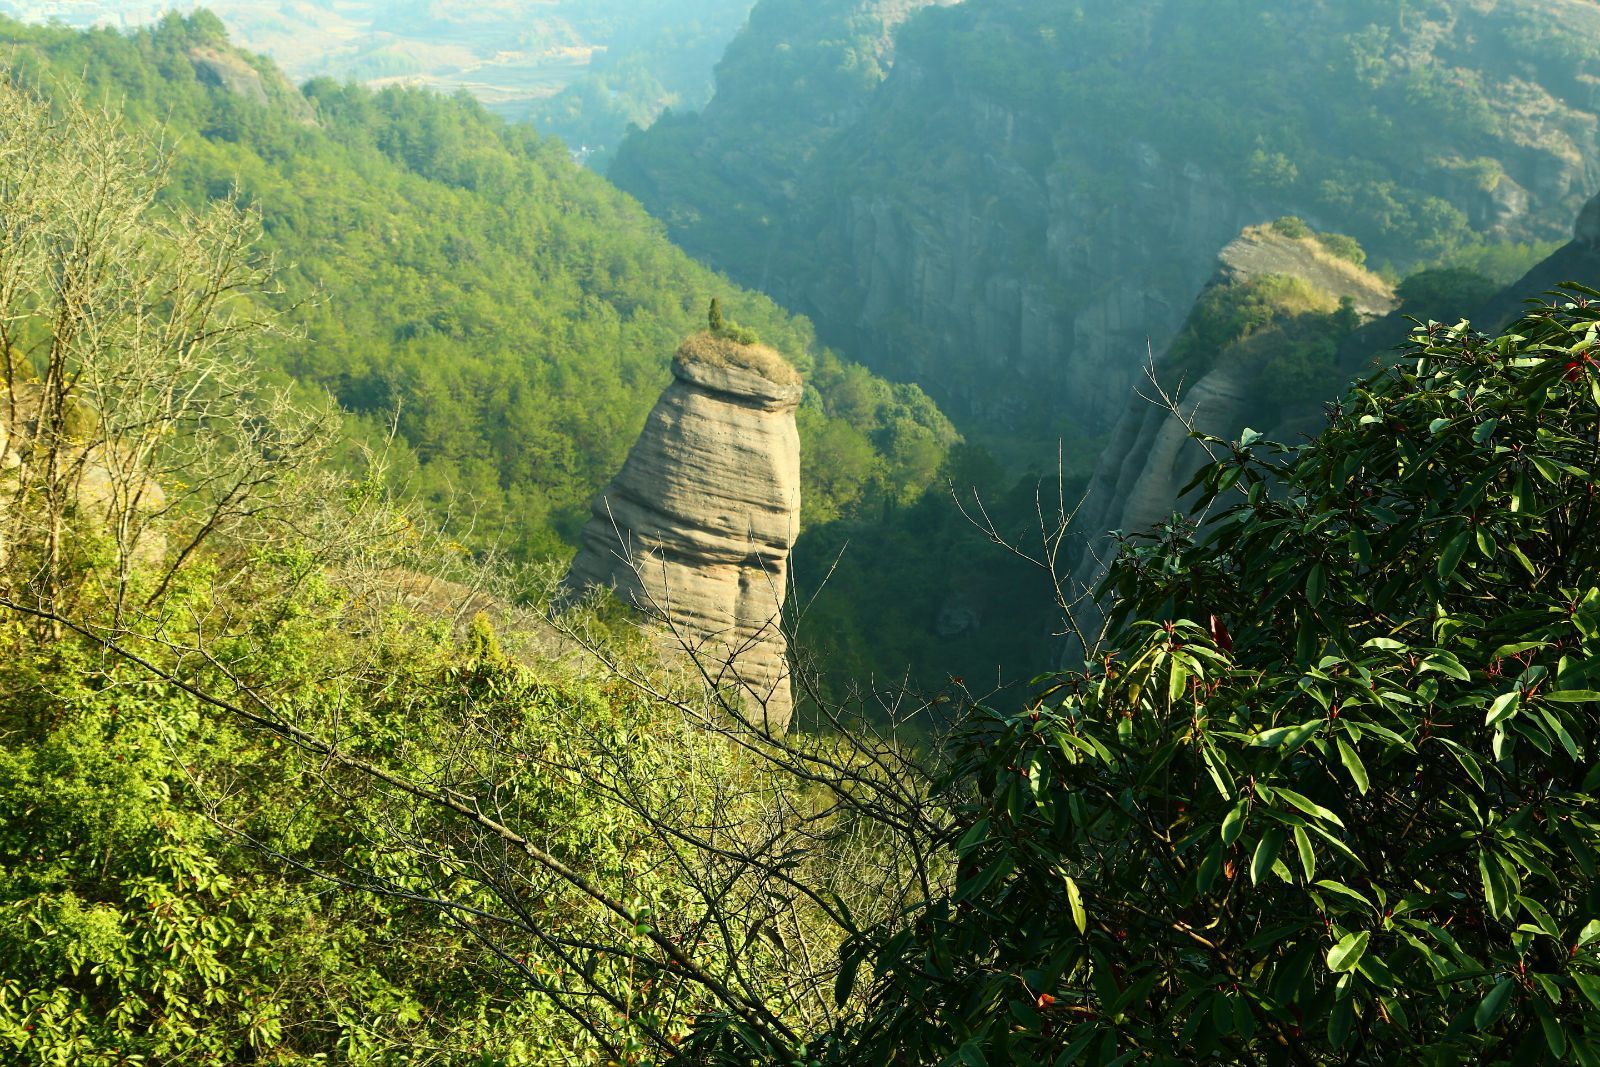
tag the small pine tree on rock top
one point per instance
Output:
(725, 330)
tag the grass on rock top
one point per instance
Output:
(710, 350)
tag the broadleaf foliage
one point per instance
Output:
(1365, 831)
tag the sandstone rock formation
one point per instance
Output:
(696, 529)
(226, 68)
(1150, 455)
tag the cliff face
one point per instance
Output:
(1037, 190)
(1578, 260)
(1300, 304)
(727, 179)
(1150, 457)
(1013, 288)
(696, 529)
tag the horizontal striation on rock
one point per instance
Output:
(696, 529)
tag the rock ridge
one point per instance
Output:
(1150, 455)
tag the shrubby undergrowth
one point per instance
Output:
(287, 781)
(1329, 793)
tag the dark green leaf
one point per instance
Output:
(1308, 858)
(1344, 955)
(1454, 549)
(1266, 854)
(1493, 1005)
(1352, 764)
(1233, 823)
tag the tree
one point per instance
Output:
(715, 319)
(1328, 796)
(1442, 291)
(136, 426)
(611, 854)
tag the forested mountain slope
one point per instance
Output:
(516, 311)
(1037, 188)
(260, 803)
(799, 73)
(285, 780)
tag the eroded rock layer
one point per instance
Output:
(696, 529)
(1151, 456)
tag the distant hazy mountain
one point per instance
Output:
(90, 14)
(633, 58)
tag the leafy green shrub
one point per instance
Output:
(1293, 227)
(1443, 291)
(123, 935)
(1346, 248)
(1300, 371)
(1328, 795)
(1227, 314)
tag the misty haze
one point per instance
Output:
(827, 533)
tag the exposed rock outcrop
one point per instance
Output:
(229, 70)
(104, 482)
(696, 529)
(1576, 261)
(1263, 250)
(1026, 200)
(1150, 456)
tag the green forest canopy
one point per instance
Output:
(517, 312)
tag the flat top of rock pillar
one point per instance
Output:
(751, 372)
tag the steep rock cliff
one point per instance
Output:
(696, 529)
(1264, 346)
(1576, 261)
(1037, 190)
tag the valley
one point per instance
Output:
(583, 70)
(572, 533)
(1048, 212)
